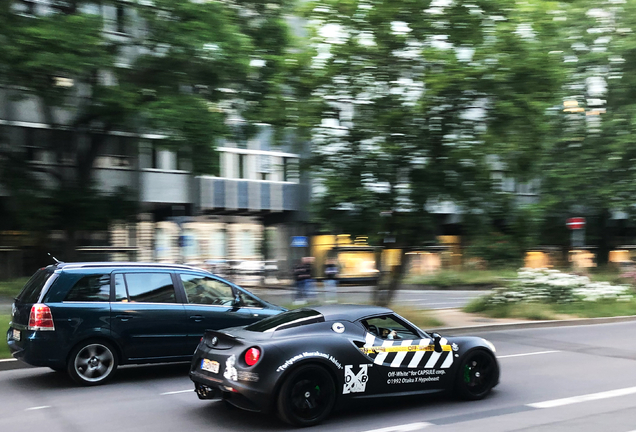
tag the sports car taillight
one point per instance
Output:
(40, 318)
(252, 356)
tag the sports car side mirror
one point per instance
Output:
(437, 342)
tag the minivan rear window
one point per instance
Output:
(92, 288)
(293, 318)
(31, 291)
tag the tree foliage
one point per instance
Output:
(414, 100)
(178, 69)
(588, 168)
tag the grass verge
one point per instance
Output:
(420, 317)
(451, 278)
(10, 289)
(543, 311)
(4, 325)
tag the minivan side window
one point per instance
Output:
(121, 295)
(203, 290)
(93, 288)
(150, 287)
(249, 301)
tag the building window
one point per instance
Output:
(265, 167)
(120, 19)
(30, 7)
(247, 243)
(32, 139)
(154, 157)
(290, 169)
(162, 244)
(190, 244)
(242, 162)
(218, 244)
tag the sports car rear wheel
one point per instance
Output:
(477, 375)
(307, 396)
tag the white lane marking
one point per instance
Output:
(527, 354)
(403, 428)
(6, 360)
(38, 408)
(584, 398)
(176, 392)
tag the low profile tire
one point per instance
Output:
(307, 396)
(478, 373)
(92, 363)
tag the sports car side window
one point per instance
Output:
(207, 291)
(386, 327)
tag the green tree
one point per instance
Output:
(413, 100)
(588, 168)
(176, 68)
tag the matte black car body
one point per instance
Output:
(346, 342)
(109, 323)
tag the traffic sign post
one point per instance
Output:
(577, 225)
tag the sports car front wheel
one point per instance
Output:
(307, 396)
(477, 375)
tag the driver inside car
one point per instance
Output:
(389, 334)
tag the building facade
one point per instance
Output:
(248, 212)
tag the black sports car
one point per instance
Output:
(303, 362)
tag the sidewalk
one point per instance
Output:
(455, 318)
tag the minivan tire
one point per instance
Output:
(92, 362)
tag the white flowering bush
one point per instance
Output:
(553, 286)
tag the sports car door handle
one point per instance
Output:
(197, 318)
(123, 317)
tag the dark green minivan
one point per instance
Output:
(88, 318)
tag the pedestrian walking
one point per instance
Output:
(331, 281)
(302, 274)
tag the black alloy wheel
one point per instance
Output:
(307, 396)
(92, 363)
(477, 375)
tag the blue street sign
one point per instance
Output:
(299, 241)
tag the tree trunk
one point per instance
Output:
(390, 283)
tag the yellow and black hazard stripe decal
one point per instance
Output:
(408, 348)
(418, 353)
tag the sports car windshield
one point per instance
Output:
(285, 320)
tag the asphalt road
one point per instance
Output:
(553, 379)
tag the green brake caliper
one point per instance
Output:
(466, 373)
(317, 390)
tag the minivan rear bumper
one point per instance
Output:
(37, 348)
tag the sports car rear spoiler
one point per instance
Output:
(219, 340)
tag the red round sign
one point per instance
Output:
(575, 223)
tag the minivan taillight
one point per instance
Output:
(40, 318)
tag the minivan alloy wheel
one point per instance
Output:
(92, 363)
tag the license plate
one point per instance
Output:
(16, 334)
(210, 366)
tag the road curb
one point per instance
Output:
(536, 324)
